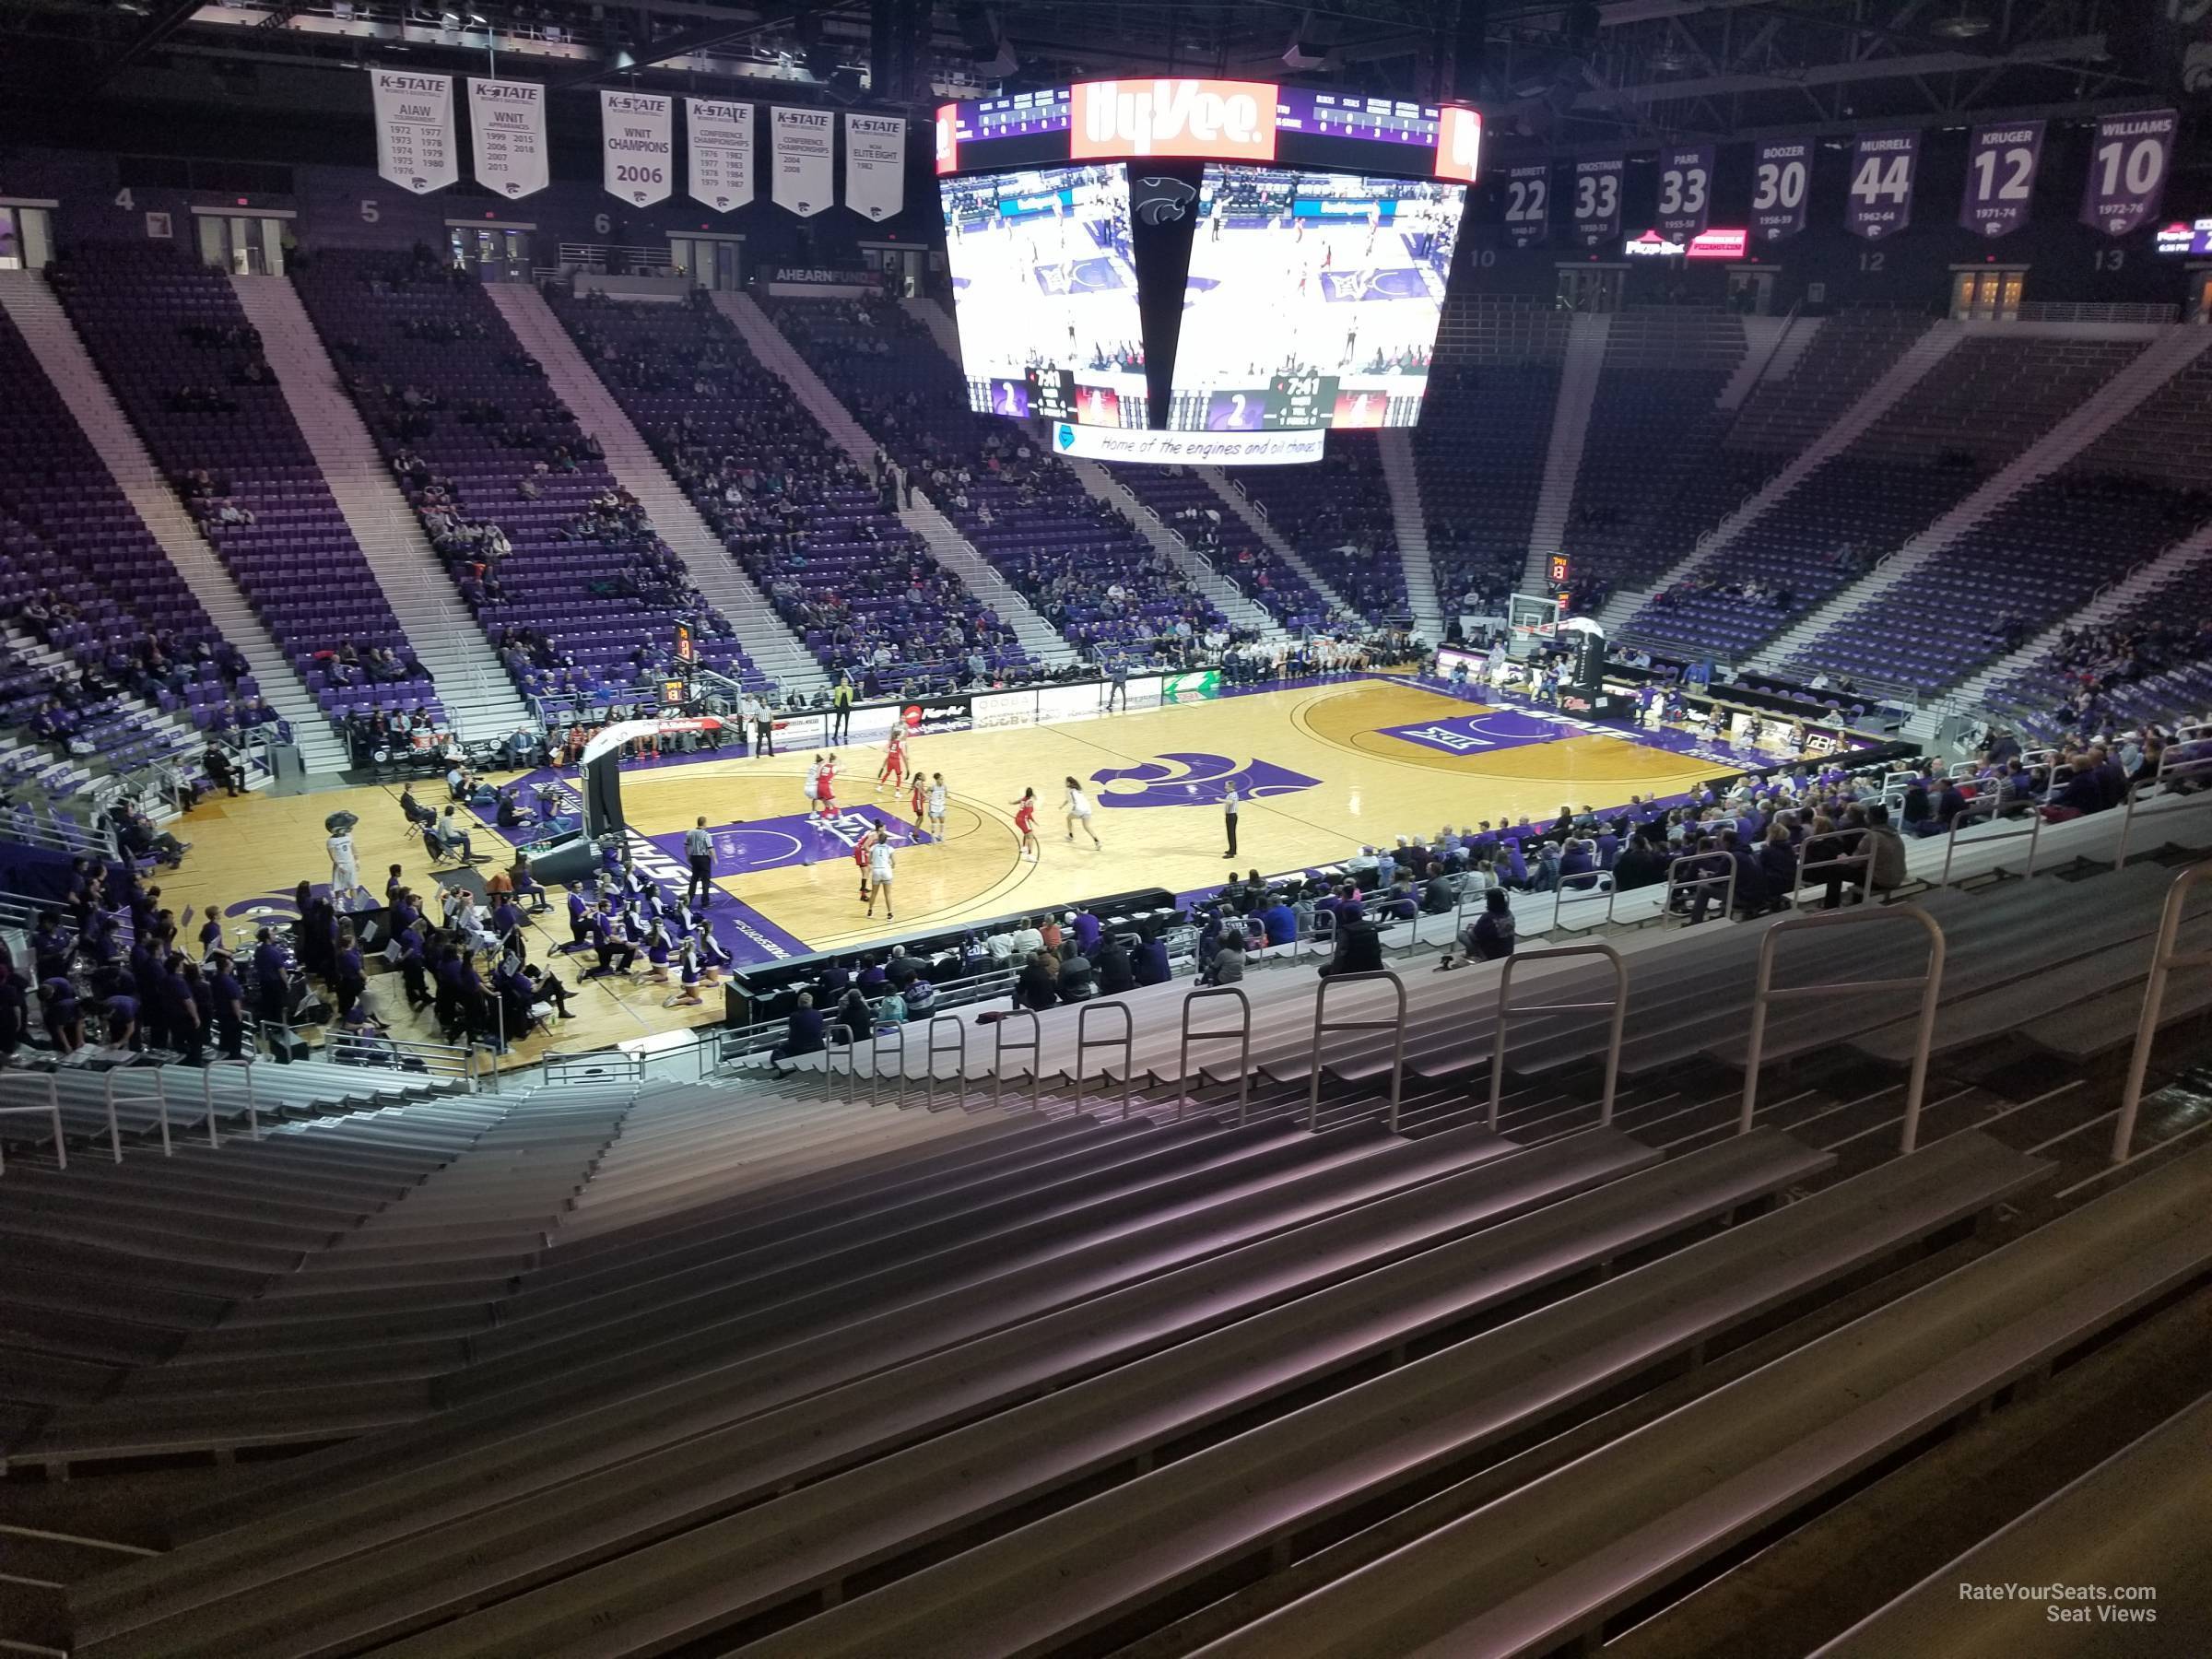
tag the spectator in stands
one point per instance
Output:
(1886, 871)
(1358, 949)
(1227, 965)
(1037, 987)
(1152, 965)
(1491, 935)
(1116, 972)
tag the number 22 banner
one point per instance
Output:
(1880, 199)
(1596, 204)
(1528, 204)
(2000, 177)
(2128, 164)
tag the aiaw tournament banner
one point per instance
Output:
(637, 141)
(415, 129)
(507, 121)
(721, 135)
(799, 150)
(875, 164)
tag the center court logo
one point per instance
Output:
(1182, 780)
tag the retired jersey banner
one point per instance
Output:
(638, 138)
(1880, 200)
(799, 158)
(2000, 177)
(1597, 204)
(1685, 190)
(507, 119)
(2128, 164)
(875, 164)
(1528, 204)
(721, 135)
(1781, 177)
(415, 129)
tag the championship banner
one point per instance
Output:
(1880, 200)
(1685, 190)
(799, 159)
(875, 164)
(721, 135)
(638, 141)
(2000, 177)
(2128, 164)
(415, 129)
(1596, 204)
(507, 119)
(1781, 180)
(1528, 204)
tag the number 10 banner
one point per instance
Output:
(2128, 164)
(1880, 200)
(2000, 177)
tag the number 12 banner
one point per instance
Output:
(1880, 199)
(1597, 204)
(2128, 164)
(1781, 182)
(2000, 177)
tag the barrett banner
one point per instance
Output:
(507, 119)
(1528, 204)
(2000, 177)
(720, 135)
(1781, 178)
(799, 150)
(875, 164)
(415, 129)
(2128, 164)
(1880, 201)
(1685, 190)
(638, 138)
(1597, 204)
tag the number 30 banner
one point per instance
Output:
(1880, 200)
(1781, 178)
(2128, 164)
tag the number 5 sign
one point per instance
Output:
(2128, 164)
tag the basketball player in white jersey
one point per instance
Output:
(879, 877)
(1078, 812)
(937, 802)
(344, 872)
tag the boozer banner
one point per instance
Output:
(1782, 176)
(1596, 204)
(799, 159)
(1685, 190)
(507, 119)
(1528, 204)
(2000, 177)
(638, 139)
(720, 135)
(2128, 164)
(875, 164)
(415, 129)
(1880, 199)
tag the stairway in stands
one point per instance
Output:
(473, 685)
(950, 548)
(1226, 596)
(1253, 516)
(1411, 522)
(773, 648)
(45, 328)
(1579, 370)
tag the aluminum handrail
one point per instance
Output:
(1241, 1032)
(2164, 959)
(1619, 1004)
(1677, 883)
(1863, 859)
(1990, 809)
(1084, 1042)
(1929, 981)
(876, 1040)
(2160, 788)
(245, 1063)
(51, 1106)
(1323, 1025)
(959, 1049)
(594, 1065)
(1035, 1048)
(1558, 894)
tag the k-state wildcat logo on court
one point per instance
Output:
(1179, 780)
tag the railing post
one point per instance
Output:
(1034, 1047)
(2164, 959)
(959, 1049)
(1323, 1025)
(1241, 1032)
(1619, 1004)
(875, 1047)
(1084, 1042)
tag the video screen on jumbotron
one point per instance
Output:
(1312, 299)
(1045, 293)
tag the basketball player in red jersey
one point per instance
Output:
(893, 769)
(825, 789)
(861, 849)
(917, 801)
(1024, 821)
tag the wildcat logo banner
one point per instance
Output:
(799, 147)
(507, 120)
(637, 139)
(875, 164)
(415, 129)
(722, 152)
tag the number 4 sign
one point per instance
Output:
(1880, 198)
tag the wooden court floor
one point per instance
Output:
(1322, 769)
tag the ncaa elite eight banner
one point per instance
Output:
(722, 152)
(799, 159)
(875, 164)
(415, 129)
(507, 120)
(637, 140)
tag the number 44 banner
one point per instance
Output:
(1880, 199)
(2000, 177)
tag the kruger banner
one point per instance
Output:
(415, 129)
(2000, 177)
(507, 120)
(638, 137)
(799, 159)
(722, 152)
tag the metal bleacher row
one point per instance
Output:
(611, 1369)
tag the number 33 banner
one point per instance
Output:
(2128, 164)
(1598, 199)
(2000, 177)
(1684, 191)
(1880, 201)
